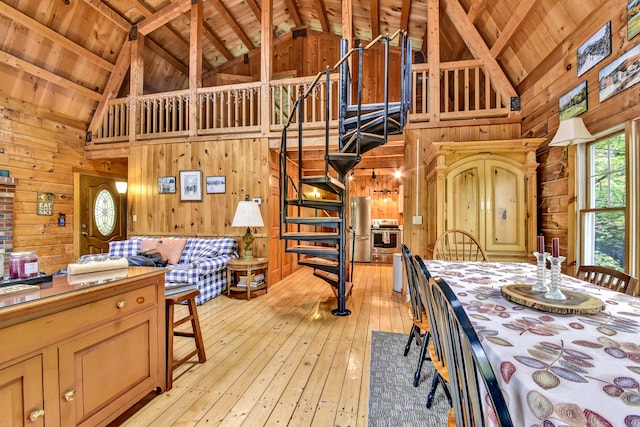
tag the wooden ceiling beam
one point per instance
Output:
(36, 71)
(215, 40)
(47, 32)
(321, 11)
(110, 14)
(519, 15)
(113, 85)
(478, 48)
(163, 16)
(230, 20)
(255, 8)
(375, 18)
(475, 11)
(404, 15)
(293, 11)
(159, 50)
(174, 36)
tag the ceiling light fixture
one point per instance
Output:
(373, 174)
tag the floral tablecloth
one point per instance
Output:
(556, 370)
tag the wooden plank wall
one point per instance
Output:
(364, 185)
(540, 94)
(310, 54)
(43, 151)
(417, 142)
(244, 163)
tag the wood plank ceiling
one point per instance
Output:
(60, 54)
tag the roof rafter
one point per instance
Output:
(47, 32)
(175, 36)
(404, 15)
(230, 20)
(476, 9)
(477, 46)
(113, 84)
(321, 11)
(375, 18)
(34, 70)
(255, 8)
(215, 40)
(512, 26)
(293, 11)
(163, 16)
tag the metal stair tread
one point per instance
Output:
(309, 235)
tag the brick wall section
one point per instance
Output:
(7, 197)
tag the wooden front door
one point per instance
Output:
(102, 210)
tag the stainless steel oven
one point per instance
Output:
(386, 239)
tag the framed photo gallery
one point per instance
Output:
(190, 185)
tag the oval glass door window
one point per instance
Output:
(105, 212)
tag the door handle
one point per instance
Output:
(84, 233)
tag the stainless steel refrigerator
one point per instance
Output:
(360, 214)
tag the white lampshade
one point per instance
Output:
(571, 131)
(121, 186)
(247, 215)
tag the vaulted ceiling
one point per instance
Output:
(60, 54)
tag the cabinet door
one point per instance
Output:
(22, 394)
(466, 198)
(505, 201)
(486, 198)
(106, 370)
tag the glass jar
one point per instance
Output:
(23, 265)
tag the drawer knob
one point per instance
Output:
(36, 414)
(121, 304)
(70, 395)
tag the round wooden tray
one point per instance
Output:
(576, 302)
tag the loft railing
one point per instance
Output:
(284, 94)
(226, 108)
(466, 92)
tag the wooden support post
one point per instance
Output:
(266, 66)
(433, 59)
(195, 64)
(136, 81)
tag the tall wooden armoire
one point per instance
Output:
(488, 188)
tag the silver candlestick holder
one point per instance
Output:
(541, 283)
(554, 290)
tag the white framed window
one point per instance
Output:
(603, 214)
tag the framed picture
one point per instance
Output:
(574, 102)
(633, 18)
(216, 184)
(166, 184)
(191, 185)
(620, 74)
(594, 50)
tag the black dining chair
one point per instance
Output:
(435, 348)
(467, 364)
(420, 330)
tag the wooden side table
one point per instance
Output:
(250, 268)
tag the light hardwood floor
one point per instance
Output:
(282, 358)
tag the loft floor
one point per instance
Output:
(282, 358)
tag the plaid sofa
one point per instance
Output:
(203, 263)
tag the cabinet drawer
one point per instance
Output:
(38, 333)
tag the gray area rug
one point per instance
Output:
(393, 400)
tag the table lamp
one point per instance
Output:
(247, 215)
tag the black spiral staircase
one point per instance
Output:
(316, 228)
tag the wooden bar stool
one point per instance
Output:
(171, 301)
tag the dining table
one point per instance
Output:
(554, 369)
